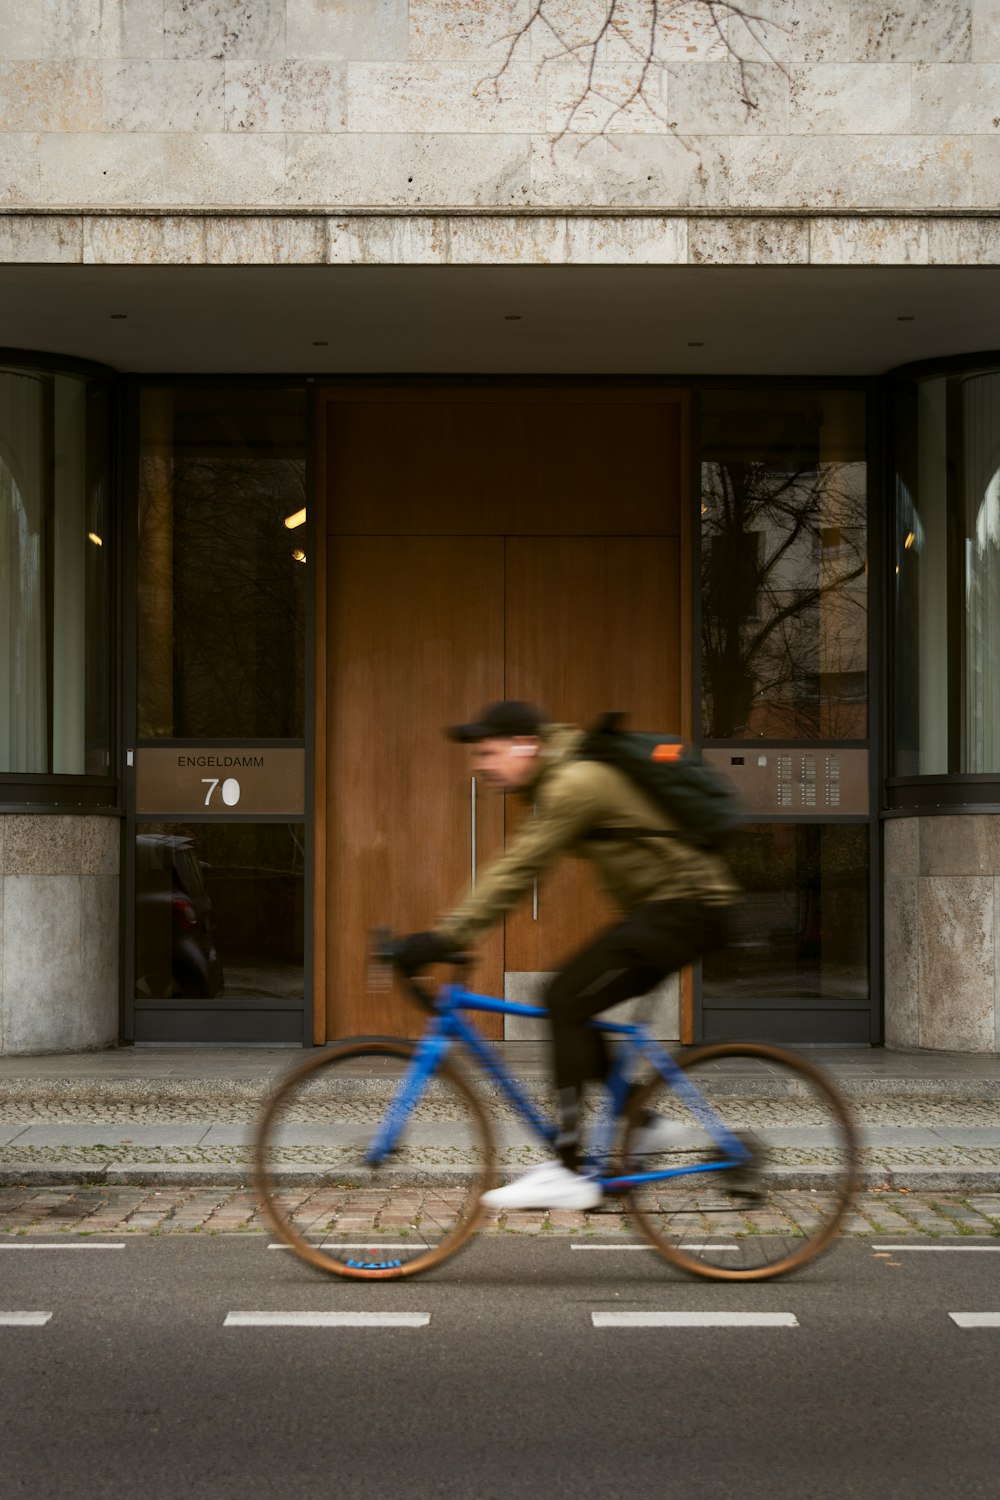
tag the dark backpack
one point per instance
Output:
(674, 777)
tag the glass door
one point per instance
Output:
(784, 651)
(218, 854)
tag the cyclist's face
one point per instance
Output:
(506, 764)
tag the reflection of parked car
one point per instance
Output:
(174, 931)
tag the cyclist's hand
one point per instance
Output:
(415, 952)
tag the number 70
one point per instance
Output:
(230, 789)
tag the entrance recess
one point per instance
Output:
(480, 543)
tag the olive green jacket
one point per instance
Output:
(572, 797)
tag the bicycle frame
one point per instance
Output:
(446, 1027)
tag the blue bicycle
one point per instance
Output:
(736, 1161)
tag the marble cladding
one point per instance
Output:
(911, 30)
(690, 99)
(837, 104)
(942, 932)
(59, 925)
(415, 232)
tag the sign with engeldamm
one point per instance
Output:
(258, 780)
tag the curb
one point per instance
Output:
(252, 1093)
(912, 1179)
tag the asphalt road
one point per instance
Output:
(500, 1384)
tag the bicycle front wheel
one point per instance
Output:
(335, 1206)
(778, 1209)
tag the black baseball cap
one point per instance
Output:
(506, 720)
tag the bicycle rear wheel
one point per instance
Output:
(769, 1216)
(336, 1209)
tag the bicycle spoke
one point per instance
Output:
(389, 1218)
(778, 1208)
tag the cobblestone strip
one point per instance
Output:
(221, 1210)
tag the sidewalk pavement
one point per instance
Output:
(182, 1117)
(41, 1213)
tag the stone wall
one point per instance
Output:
(842, 104)
(942, 932)
(59, 898)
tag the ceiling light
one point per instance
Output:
(93, 537)
(299, 556)
(298, 519)
(911, 537)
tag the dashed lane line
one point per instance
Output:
(943, 1249)
(327, 1320)
(355, 1245)
(69, 1245)
(709, 1245)
(694, 1320)
(976, 1320)
(24, 1319)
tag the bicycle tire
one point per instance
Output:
(781, 1210)
(349, 1084)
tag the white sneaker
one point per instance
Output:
(549, 1185)
(659, 1134)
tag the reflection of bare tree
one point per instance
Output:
(238, 601)
(617, 53)
(783, 600)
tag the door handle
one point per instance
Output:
(534, 883)
(473, 833)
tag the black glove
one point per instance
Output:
(415, 952)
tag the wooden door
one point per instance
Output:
(592, 624)
(415, 642)
(482, 542)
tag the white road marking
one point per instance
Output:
(326, 1320)
(23, 1319)
(976, 1320)
(694, 1320)
(333, 1245)
(708, 1245)
(71, 1245)
(989, 1249)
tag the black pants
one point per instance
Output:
(626, 960)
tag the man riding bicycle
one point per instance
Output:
(673, 897)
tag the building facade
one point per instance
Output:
(366, 361)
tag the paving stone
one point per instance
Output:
(564, 1218)
(112, 1210)
(524, 1223)
(885, 1220)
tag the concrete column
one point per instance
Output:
(942, 931)
(59, 901)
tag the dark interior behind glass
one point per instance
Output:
(221, 575)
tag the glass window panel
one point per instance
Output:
(55, 575)
(221, 575)
(945, 697)
(219, 909)
(24, 737)
(801, 930)
(784, 586)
